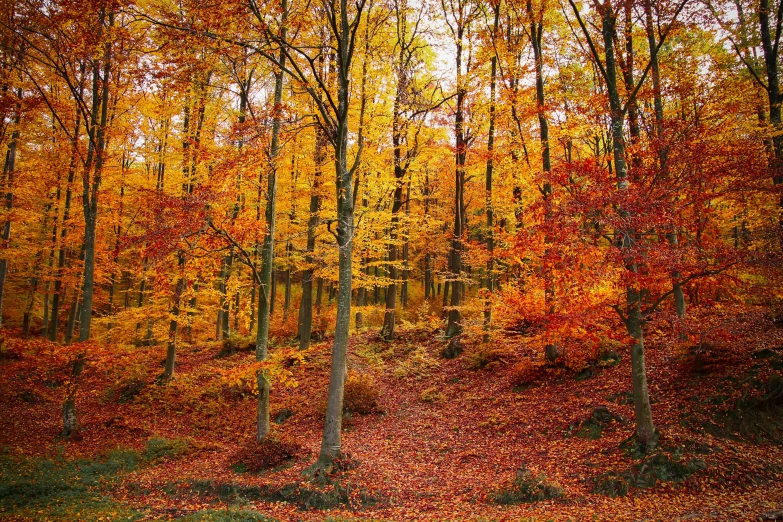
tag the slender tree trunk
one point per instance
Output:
(387, 332)
(253, 287)
(35, 278)
(331, 446)
(54, 324)
(45, 319)
(429, 278)
(406, 250)
(73, 314)
(771, 47)
(645, 430)
(268, 282)
(306, 305)
(551, 351)
(446, 288)
(225, 318)
(679, 296)
(287, 295)
(8, 181)
(454, 325)
(91, 182)
(171, 350)
(488, 186)
(90, 187)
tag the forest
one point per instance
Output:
(364, 260)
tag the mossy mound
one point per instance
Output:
(660, 467)
(527, 488)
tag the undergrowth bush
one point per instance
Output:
(330, 495)
(488, 356)
(361, 394)
(234, 344)
(432, 394)
(527, 488)
(270, 453)
(527, 373)
(593, 426)
(418, 364)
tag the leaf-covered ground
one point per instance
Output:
(444, 439)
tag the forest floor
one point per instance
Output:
(443, 440)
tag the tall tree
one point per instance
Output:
(626, 238)
(459, 15)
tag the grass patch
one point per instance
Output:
(226, 515)
(158, 448)
(65, 490)
(305, 496)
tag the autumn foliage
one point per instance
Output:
(397, 260)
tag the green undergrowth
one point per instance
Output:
(62, 489)
(305, 496)
(59, 489)
(661, 466)
(226, 515)
(749, 407)
(158, 448)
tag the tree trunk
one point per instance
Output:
(551, 351)
(287, 296)
(331, 446)
(387, 332)
(406, 251)
(645, 430)
(488, 186)
(429, 278)
(171, 350)
(72, 315)
(8, 181)
(268, 283)
(306, 305)
(100, 84)
(771, 48)
(454, 325)
(70, 421)
(222, 330)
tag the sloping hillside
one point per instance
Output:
(428, 437)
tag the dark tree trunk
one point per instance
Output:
(488, 186)
(96, 153)
(454, 325)
(306, 305)
(8, 182)
(268, 282)
(551, 351)
(645, 430)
